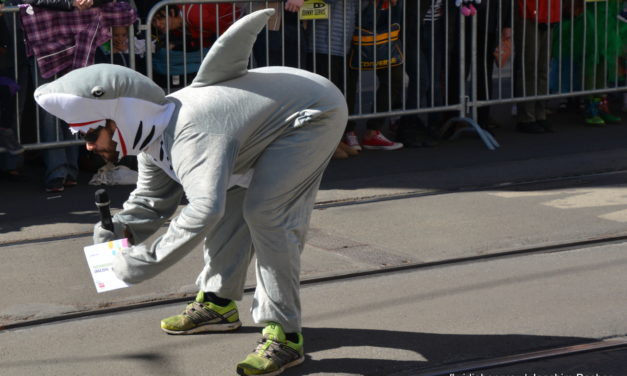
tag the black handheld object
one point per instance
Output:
(102, 202)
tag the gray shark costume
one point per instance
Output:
(246, 147)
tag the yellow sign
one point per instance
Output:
(314, 10)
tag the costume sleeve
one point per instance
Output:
(154, 200)
(204, 164)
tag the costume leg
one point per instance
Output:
(278, 207)
(227, 251)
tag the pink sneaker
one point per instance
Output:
(350, 139)
(379, 142)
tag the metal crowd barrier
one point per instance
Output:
(450, 58)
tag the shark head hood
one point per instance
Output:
(86, 97)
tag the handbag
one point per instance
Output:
(372, 50)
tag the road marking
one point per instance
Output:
(580, 199)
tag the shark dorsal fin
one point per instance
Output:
(228, 57)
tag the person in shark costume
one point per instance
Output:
(246, 147)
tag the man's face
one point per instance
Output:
(100, 141)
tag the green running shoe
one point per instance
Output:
(274, 353)
(200, 316)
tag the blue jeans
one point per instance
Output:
(59, 163)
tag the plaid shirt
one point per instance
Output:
(62, 41)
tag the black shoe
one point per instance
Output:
(532, 127)
(548, 128)
(55, 185)
(9, 142)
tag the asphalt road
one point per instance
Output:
(416, 259)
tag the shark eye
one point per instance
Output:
(97, 91)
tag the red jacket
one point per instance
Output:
(542, 11)
(204, 17)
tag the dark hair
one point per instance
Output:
(161, 13)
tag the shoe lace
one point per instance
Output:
(379, 136)
(275, 351)
(197, 312)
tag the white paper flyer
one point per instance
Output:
(100, 261)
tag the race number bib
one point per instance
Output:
(314, 10)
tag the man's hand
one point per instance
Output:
(82, 4)
(102, 236)
(120, 46)
(294, 5)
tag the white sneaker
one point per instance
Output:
(350, 139)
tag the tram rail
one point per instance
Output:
(545, 354)
(387, 270)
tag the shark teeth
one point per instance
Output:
(86, 126)
(119, 144)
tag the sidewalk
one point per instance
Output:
(574, 149)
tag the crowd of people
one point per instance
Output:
(542, 40)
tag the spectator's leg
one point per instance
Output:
(487, 34)
(58, 162)
(543, 47)
(527, 84)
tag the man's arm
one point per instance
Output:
(293, 5)
(204, 164)
(154, 200)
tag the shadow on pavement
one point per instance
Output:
(380, 352)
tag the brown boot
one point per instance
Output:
(339, 154)
(347, 149)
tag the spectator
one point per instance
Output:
(190, 30)
(198, 20)
(599, 39)
(531, 43)
(284, 38)
(10, 149)
(330, 59)
(377, 16)
(82, 33)
(116, 51)
(493, 27)
(425, 41)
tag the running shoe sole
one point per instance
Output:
(204, 328)
(293, 363)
